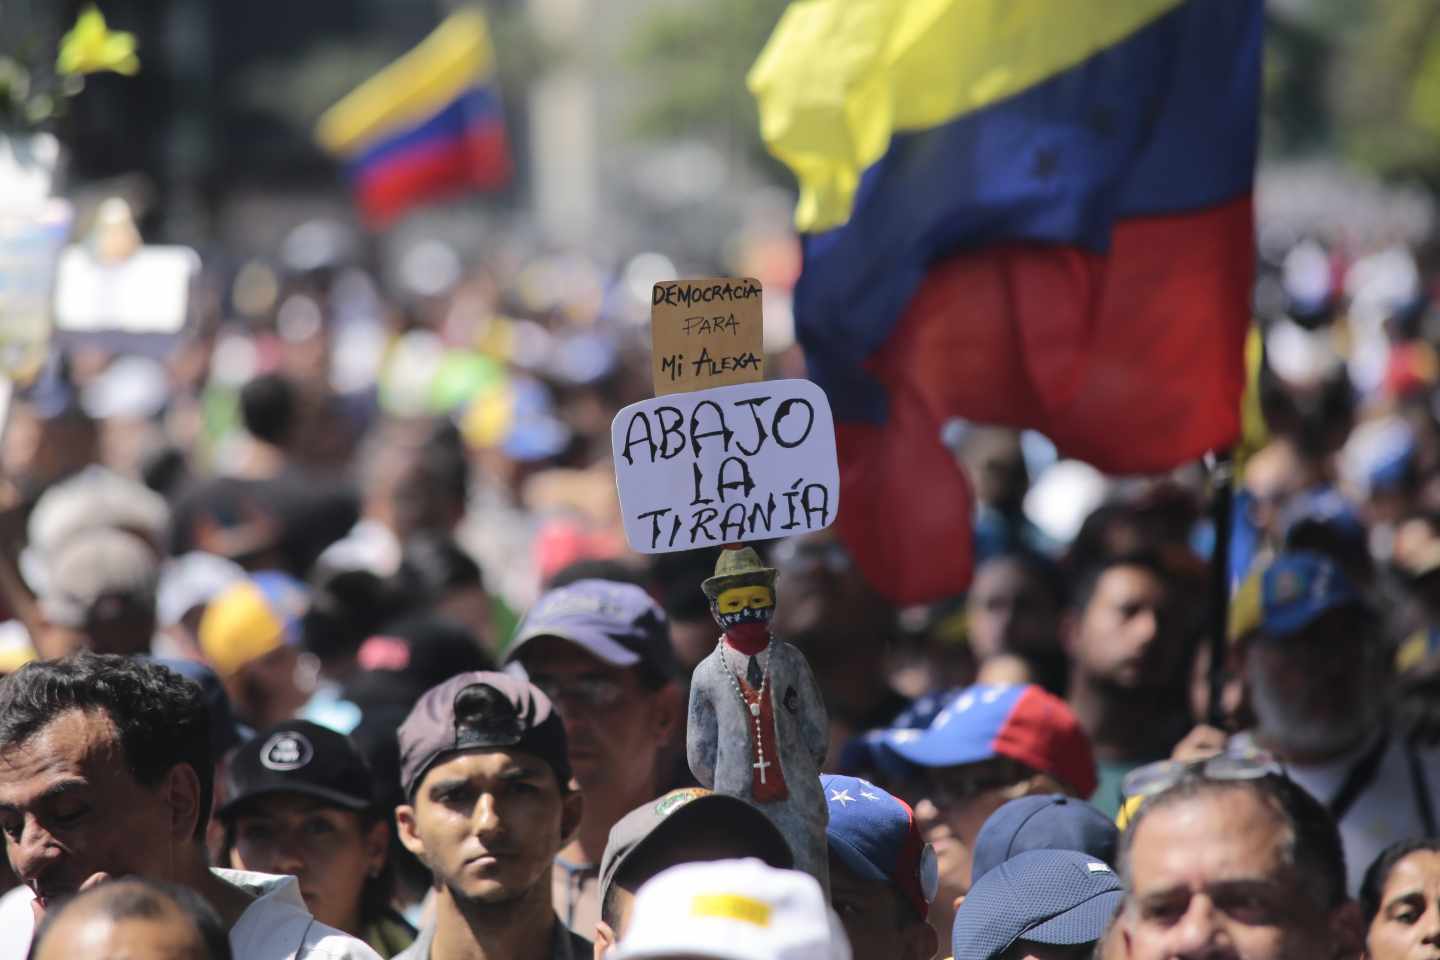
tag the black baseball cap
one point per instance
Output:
(299, 757)
(505, 712)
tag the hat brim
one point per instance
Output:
(1083, 923)
(710, 805)
(941, 748)
(758, 577)
(596, 644)
(234, 806)
(1286, 626)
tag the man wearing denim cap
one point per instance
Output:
(689, 825)
(1039, 905)
(488, 804)
(990, 744)
(1049, 821)
(1316, 670)
(600, 649)
(882, 874)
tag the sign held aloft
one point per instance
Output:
(726, 465)
(705, 332)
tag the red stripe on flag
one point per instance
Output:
(480, 159)
(1132, 360)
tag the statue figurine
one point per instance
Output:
(757, 726)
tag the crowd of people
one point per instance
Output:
(304, 662)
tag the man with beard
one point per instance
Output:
(1317, 670)
(1129, 668)
(600, 650)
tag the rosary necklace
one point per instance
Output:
(760, 763)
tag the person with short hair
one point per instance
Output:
(106, 771)
(1247, 866)
(301, 802)
(1038, 905)
(1048, 821)
(882, 874)
(489, 802)
(600, 649)
(732, 910)
(989, 744)
(1129, 666)
(1400, 900)
(133, 919)
(688, 825)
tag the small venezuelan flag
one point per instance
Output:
(428, 125)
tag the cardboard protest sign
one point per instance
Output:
(705, 332)
(726, 465)
(146, 293)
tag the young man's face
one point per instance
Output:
(489, 823)
(70, 809)
(1125, 637)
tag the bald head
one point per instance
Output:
(133, 920)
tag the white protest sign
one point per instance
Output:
(753, 461)
(146, 293)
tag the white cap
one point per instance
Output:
(733, 910)
(191, 581)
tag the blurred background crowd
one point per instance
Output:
(367, 454)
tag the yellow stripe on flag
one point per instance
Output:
(838, 78)
(412, 89)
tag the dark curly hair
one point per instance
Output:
(160, 715)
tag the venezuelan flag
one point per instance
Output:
(427, 126)
(1021, 212)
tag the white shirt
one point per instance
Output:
(1385, 812)
(16, 919)
(277, 926)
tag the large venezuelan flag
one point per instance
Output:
(1025, 212)
(427, 126)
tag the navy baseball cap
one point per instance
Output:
(1054, 897)
(875, 835)
(1049, 821)
(615, 622)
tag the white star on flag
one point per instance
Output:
(841, 797)
(868, 795)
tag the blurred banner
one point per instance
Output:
(1020, 213)
(429, 125)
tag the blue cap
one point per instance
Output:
(875, 835)
(225, 731)
(1022, 722)
(1299, 587)
(615, 622)
(869, 751)
(1056, 897)
(1049, 821)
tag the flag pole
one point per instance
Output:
(1222, 498)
